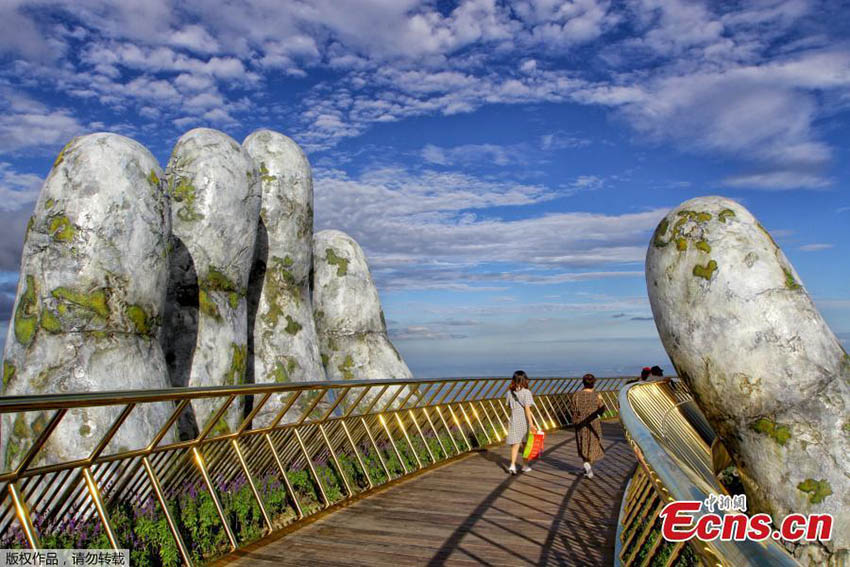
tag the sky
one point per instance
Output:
(502, 164)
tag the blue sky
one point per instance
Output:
(502, 163)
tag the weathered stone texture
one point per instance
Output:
(766, 370)
(349, 321)
(89, 303)
(215, 194)
(285, 345)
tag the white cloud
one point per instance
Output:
(816, 247)
(490, 154)
(778, 180)
(29, 124)
(17, 189)
(425, 230)
(707, 79)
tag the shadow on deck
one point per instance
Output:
(472, 513)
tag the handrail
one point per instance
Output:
(190, 495)
(674, 463)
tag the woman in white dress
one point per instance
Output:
(520, 401)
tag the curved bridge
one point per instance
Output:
(471, 513)
(408, 472)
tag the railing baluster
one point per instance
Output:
(175, 533)
(24, 517)
(424, 440)
(341, 472)
(199, 462)
(436, 434)
(392, 443)
(285, 477)
(375, 446)
(250, 479)
(448, 430)
(357, 453)
(407, 437)
(94, 492)
(311, 467)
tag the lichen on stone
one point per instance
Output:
(346, 367)
(282, 374)
(779, 433)
(19, 427)
(61, 157)
(338, 261)
(325, 359)
(153, 179)
(705, 271)
(288, 262)
(725, 214)
(305, 223)
(207, 305)
(766, 233)
(49, 321)
(217, 280)
(292, 326)
(38, 424)
(93, 301)
(48, 204)
(279, 285)
(681, 244)
(140, 319)
(660, 230)
(790, 282)
(26, 314)
(184, 192)
(61, 229)
(704, 246)
(236, 373)
(9, 371)
(693, 215)
(233, 299)
(818, 489)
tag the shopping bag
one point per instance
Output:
(533, 446)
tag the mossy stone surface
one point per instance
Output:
(285, 341)
(94, 246)
(765, 368)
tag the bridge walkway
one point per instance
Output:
(470, 512)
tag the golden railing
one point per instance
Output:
(204, 494)
(678, 456)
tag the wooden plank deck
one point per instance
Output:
(471, 512)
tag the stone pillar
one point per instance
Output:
(285, 346)
(767, 371)
(349, 320)
(215, 196)
(90, 298)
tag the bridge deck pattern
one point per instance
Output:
(471, 512)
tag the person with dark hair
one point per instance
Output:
(586, 407)
(644, 374)
(520, 401)
(656, 373)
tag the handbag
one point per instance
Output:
(533, 446)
